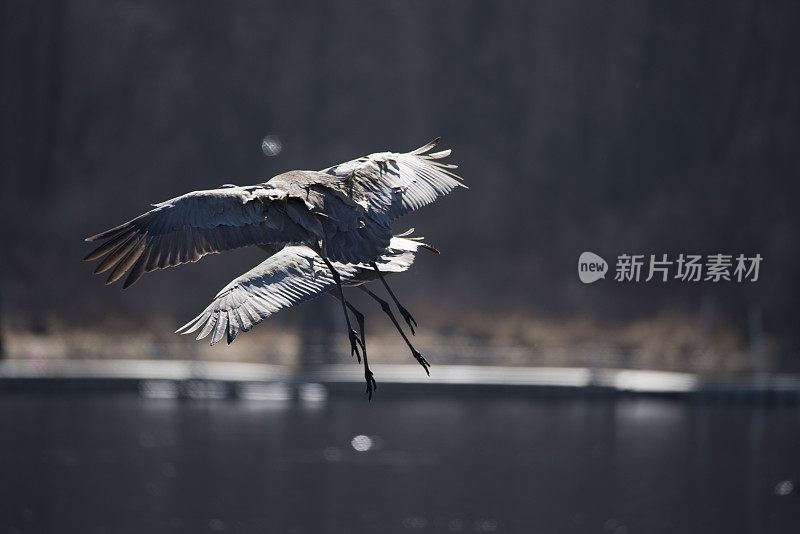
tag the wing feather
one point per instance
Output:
(117, 254)
(293, 275)
(393, 184)
(221, 318)
(109, 245)
(138, 270)
(208, 325)
(128, 261)
(186, 228)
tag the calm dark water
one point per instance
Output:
(118, 463)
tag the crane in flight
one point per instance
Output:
(296, 274)
(342, 213)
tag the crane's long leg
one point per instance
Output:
(388, 311)
(354, 340)
(404, 312)
(371, 384)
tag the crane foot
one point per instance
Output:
(371, 384)
(356, 345)
(422, 361)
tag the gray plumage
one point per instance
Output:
(291, 276)
(343, 212)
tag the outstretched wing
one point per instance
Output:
(390, 184)
(188, 227)
(291, 276)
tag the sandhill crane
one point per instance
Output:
(296, 274)
(342, 213)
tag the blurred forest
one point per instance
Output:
(644, 127)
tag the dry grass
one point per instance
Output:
(663, 342)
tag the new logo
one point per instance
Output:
(591, 267)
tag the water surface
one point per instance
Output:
(119, 463)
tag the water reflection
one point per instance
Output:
(124, 464)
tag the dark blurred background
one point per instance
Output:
(617, 127)
(638, 127)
